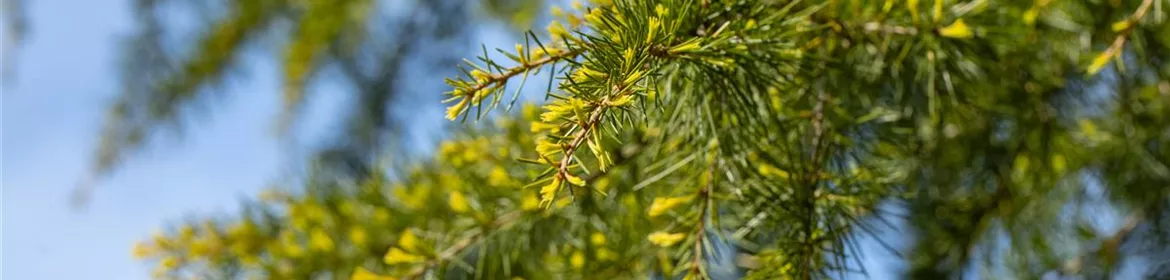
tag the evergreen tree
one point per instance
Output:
(356, 44)
(719, 139)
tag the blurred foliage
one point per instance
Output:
(1025, 140)
(466, 208)
(173, 68)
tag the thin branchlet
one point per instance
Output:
(471, 91)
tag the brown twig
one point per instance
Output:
(704, 196)
(889, 29)
(500, 78)
(813, 178)
(586, 127)
(1131, 22)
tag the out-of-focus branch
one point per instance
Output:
(505, 221)
(1111, 246)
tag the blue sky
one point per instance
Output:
(52, 112)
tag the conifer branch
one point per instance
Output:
(587, 127)
(505, 221)
(501, 78)
(817, 114)
(1124, 28)
(470, 92)
(579, 138)
(889, 29)
(813, 178)
(704, 197)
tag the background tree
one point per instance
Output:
(172, 68)
(785, 129)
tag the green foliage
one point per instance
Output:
(467, 208)
(132, 117)
(322, 24)
(778, 126)
(166, 78)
